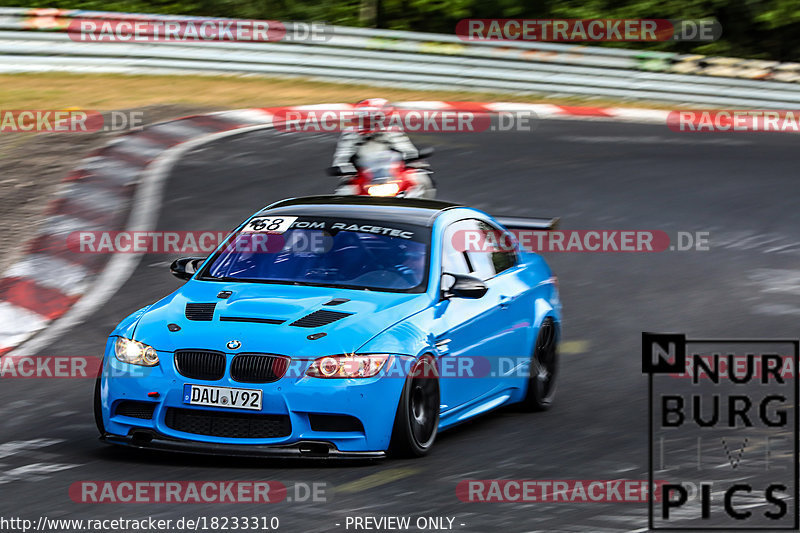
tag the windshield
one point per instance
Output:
(330, 252)
(381, 166)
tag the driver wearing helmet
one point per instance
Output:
(368, 125)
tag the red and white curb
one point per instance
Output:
(118, 187)
(549, 111)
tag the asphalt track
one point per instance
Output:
(742, 188)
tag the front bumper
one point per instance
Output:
(148, 440)
(297, 398)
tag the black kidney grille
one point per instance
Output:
(258, 368)
(143, 410)
(200, 312)
(197, 364)
(323, 317)
(228, 425)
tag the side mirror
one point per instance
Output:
(465, 286)
(185, 267)
(333, 171)
(422, 153)
(426, 152)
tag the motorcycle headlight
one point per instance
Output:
(135, 352)
(384, 189)
(349, 366)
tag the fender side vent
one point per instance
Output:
(337, 301)
(323, 317)
(200, 312)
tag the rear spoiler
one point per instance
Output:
(529, 223)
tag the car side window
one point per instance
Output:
(479, 254)
(505, 256)
(467, 249)
(454, 259)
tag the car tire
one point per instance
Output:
(543, 369)
(416, 422)
(98, 408)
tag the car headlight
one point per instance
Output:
(349, 366)
(135, 352)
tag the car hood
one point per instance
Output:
(370, 313)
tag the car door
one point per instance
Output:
(500, 268)
(465, 329)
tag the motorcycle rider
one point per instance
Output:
(369, 116)
(368, 127)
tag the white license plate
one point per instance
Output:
(222, 397)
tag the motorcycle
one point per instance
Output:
(382, 172)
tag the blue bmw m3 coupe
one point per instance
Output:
(335, 326)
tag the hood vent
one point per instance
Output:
(251, 319)
(200, 312)
(337, 301)
(323, 317)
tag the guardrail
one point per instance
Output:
(35, 40)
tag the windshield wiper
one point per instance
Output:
(223, 278)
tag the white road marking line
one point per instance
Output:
(35, 469)
(17, 324)
(423, 105)
(117, 170)
(93, 197)
(324, 107)
(655, 116)
(7, 449)
(137, 146)
(247, 116)
(71, 278)
(179, 128)
(541, 110)
(64, 225)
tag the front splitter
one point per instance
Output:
(302, 449)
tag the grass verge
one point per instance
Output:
(112, 91)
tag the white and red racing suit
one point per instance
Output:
(350, 141)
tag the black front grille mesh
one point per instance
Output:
(200, 312)
(323, 317)
(228, 425)
(258, 368)
(143, 410)
(334, 423)
(197, 364)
